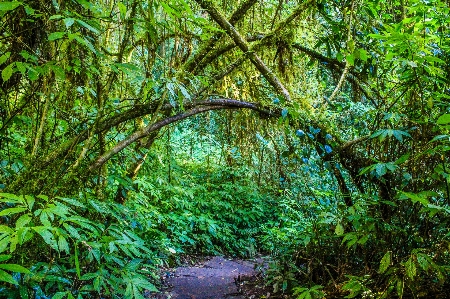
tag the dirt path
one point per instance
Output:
(215, 278)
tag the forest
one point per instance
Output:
(134, 133)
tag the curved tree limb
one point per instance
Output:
(199, 108)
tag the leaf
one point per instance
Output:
(59, 72)
(444, 119)
(380, 169)
(422, 260)
(350, 59)
(23, 220)
(363, 54)
(402, 159)
(4, 243)
(7, 277)
(416, 198)
(87, 26)
(15, 268)
(71, 201)
(59, 295)
(4, 257)
(410, 267)
(122, 10)
(398, 134)
(72, 231)
(339, 230)
(399, 287)
(55, 35)
(21, 67)
(5, 6)
(184, 91)
(47, 236)
(4, 57)
(385, 262)
(7, 72)
(12, 211)
(63, 245)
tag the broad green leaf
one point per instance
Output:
(7, 277)
(30, 202)
(63, 245)
(122, 10)
(385, 262)
(402, 159)
(410, 268)
(339, 230)
(71, 201)
(72, 231)
(380, 169)
(4, 257)
(350, 59)
(47, 235)
(59, 72)
(21, 67)
(5, 6)
(4, 57)
(15, 268)
(87, 26)
(416, 198)
(56, 35)
(59, 295)
(142, 282)
(12, 211)
(363, 54)
(444, 119)
(4, 242)
(137, 294)
(8, 71)
(422, 260)
(4, 229)
(13, 242)
(23, 220)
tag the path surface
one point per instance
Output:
(216, 278)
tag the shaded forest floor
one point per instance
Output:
(215, 278)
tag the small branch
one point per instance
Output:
(347, 65)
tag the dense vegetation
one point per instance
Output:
(315, 132)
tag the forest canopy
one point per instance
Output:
(314, 132)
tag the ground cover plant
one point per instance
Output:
(314, 132)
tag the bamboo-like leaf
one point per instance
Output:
(385, 262)
(15, 268)
(7, 277)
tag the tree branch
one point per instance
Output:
(192, 63)
(199, 107)
(242, 44)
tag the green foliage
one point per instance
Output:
(78, 249)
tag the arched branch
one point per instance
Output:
(200, 107)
